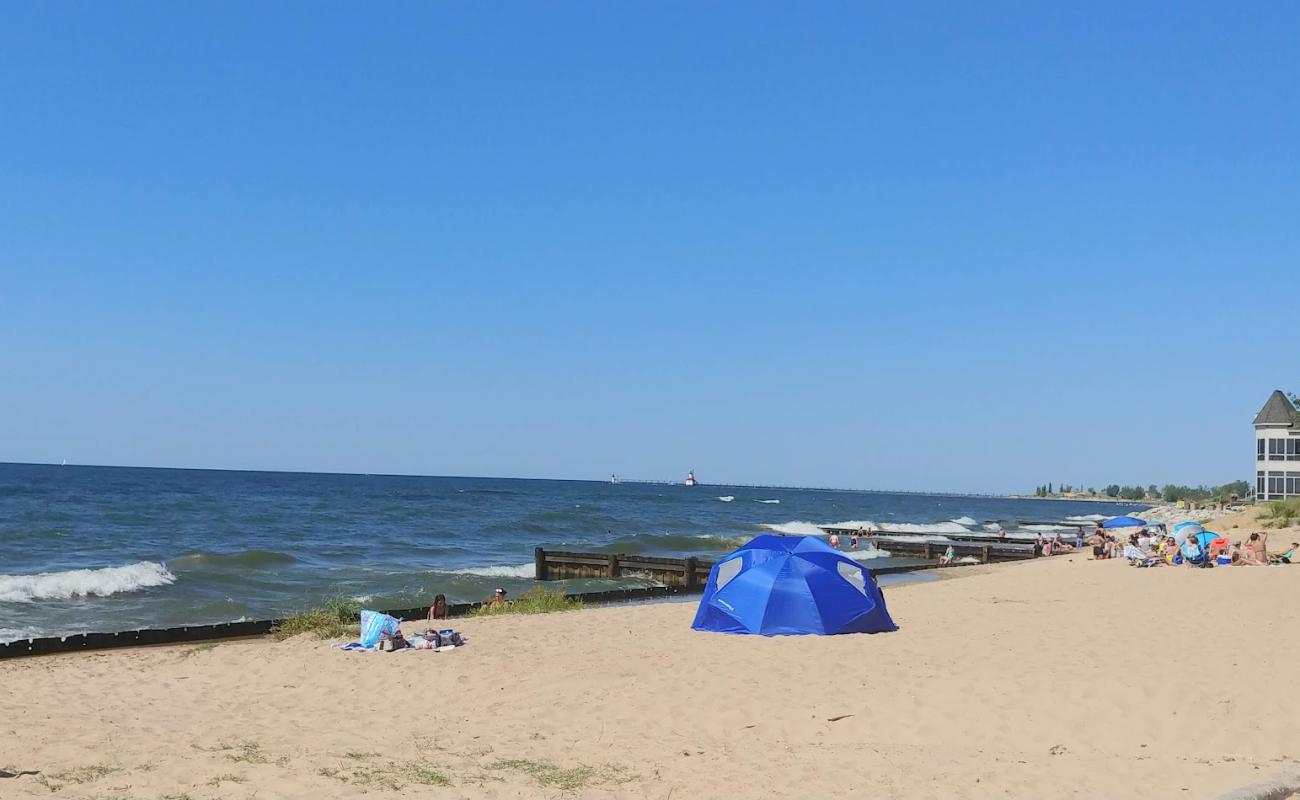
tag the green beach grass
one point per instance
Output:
(535, 601)
(335, 618)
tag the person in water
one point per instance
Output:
(439, 608)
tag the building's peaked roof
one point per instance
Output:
(1277, 411)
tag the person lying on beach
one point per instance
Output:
(1289, 557)
(439, 608)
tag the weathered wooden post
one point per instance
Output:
(691, 566)
(928, 554)
(613, 565)
(984, 553)
(539, 564)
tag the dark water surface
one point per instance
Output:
(115, 548)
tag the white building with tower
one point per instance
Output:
(1277, 449)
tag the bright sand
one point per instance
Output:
(1062, 677)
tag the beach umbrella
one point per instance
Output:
(1184, 529)
(782, 585)
(1123, 522)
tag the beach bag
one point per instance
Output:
(374, 625)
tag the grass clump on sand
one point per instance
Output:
(83, 774)
(567, 779)
(337, 617)
(534, 601)
(1280, 513)
(392, 775)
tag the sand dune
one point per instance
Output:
(1056, 678)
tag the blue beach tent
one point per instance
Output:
(782, 585)
(1123, 522)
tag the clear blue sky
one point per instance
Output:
(896, 245)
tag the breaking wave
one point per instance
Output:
(768, 501)
(904, 527)
(727, 498)
(866, 555)
(1087, 518)
(502, 571)
(83, 582)
(797, 528)
(965, 521)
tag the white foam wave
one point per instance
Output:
(904, 527)
(1087, 518)
(19, 634)
(797, 528)
(727, 498)
(768, 501)
(916, 537)
(503, 571)
(83, 582)
(866, 555)
(1047, 527)
(965, 521)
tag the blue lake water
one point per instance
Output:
(116, 548)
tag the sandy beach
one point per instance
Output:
(1061, 677)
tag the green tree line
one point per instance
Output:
(1169, 492)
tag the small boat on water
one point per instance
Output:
(690, 477)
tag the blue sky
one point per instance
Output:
(886, 245)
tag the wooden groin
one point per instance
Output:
(555, 565)
(984, 551)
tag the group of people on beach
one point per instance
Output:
(440, 609)
(1146, 548)
(855, 538)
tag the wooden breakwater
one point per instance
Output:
(553, 565)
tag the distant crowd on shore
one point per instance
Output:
(1147, 548)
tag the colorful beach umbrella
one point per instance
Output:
(1184, 529)
(1123, 522)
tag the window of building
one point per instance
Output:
(1259, 449)
(1292, 447)
(1259, 483)
(1275, 450)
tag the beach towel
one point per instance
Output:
(374, 625)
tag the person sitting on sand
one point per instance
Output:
(1134, 552)
(439, 608)
(947, 557)
(498, 599)
(1192, 552)
(1256, 549)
